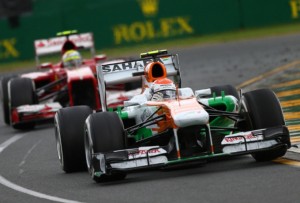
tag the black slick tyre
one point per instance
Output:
(21, 91)
(69, 132)
(4, 92)
(104, 132)
(264, 111)
(228, 90)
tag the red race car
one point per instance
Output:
(36, 96)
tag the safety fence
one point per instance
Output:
(117, 23)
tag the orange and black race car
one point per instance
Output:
(166, 124)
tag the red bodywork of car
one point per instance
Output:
(57, 72)
(68, 86)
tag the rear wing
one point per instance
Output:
(55, 44)
(130, 71)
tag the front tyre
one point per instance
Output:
(104, 132)
(228, 90)
(21, 91)
(5, 105)
(69, 132)
(264, 111)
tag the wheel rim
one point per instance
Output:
(58, 142)
(88, 149)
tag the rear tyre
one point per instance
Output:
(104, 132)
(4, 91)
(264, 111)
(69, 132)
(228, 90)
(21, 92)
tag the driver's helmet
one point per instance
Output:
(71, 58)
(163, 89)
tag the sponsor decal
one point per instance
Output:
(295, 8)
(144, 151)
(140, 162)
(149, 7)
(241, 137)
(232, 139)
(8, 48)
(50, 107)
(52, 45)
(138, 65)
(49, 42)
(122, 66)
(60, 40)
(152, 29)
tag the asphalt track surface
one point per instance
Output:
(30, 171)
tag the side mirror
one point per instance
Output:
(185, 93)
(203, 92)
(45, 66)
(136, 100)
(100, 57)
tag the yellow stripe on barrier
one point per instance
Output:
(292, 115)
(286, 84)
(288, 93)
(268, 74)
(295, 102)
(295, 139)
(293, 127)
(287, 162)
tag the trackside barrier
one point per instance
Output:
(117, 23)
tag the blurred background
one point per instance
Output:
(249, 44)
(126, 23)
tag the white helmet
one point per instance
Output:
(71, 58)
(163, 89)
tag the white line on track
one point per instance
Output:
(18, 188)
(28, 153)
(10, 141)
